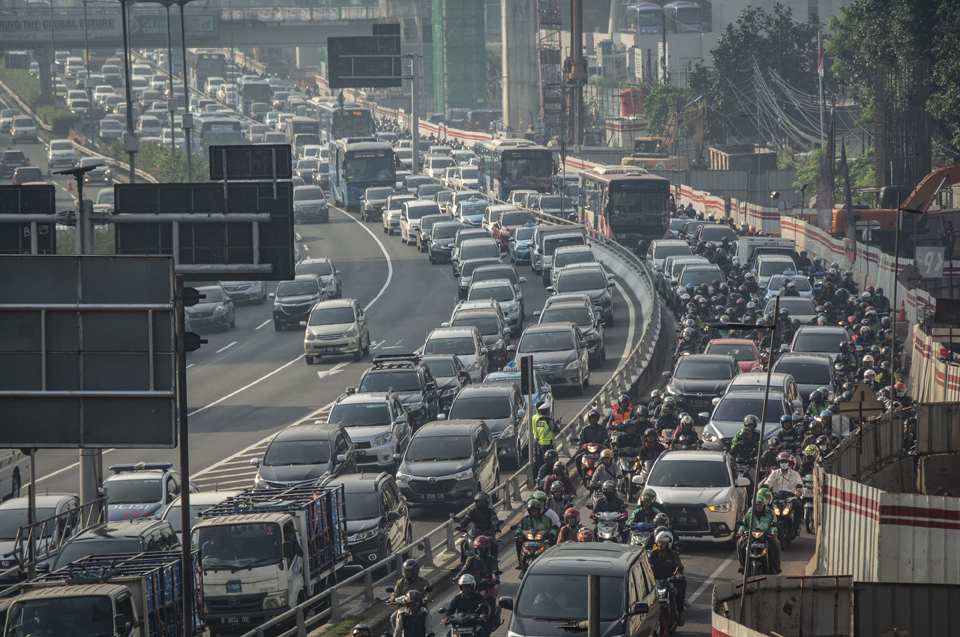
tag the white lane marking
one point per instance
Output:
(190, 365)
(264, 324)
(385, 256)
(246, 387)
(336, 369)
(631, 320)
(377, 344)
(225, 347)
(395, 346)
(709, 581)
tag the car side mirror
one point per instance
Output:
(287, 548)
(271, 295)
(431, 387)
(704, 415)
(456, 275)
(612, 284)
(445, 324)
(797, 404)
(506, 603)
(511, 348)
(550, 289)
(743, 481)
(506, 331)
(441, 416)
(537, 313)
(637, 479)
(392, 516)
(341, 458)
(121, 624)
(640, 608)
(522, 279)
(482, 453)
(521, 413)
(668, 374)
(255, 462)
(484, 350)
(303, 323)
(397, 458)
(337, 272)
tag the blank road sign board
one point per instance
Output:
(365, 62)
(87, 356)
(251, 161)
(20, 200)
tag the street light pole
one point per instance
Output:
(86, 64)
(171, 103)
(187, 123)
(130, 144)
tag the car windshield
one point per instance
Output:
(578, 315)
(75, 615)
(664, 251)
(579, 281)
(700, 277)
(399, 380)
(445, 231)
(297, 288)
(362, 506)
(695, 368)
(73, 551)
(439, 448)
(61, 144)
(556, 341)
(469, 173)
(580, 256)
(457, 345)
(818, 342)
(481, 407)
(736, 408)
(485, 249)
(489, 274)
(211, 295)
(363, 414)
(516, 219)
(133, 491)
(14, 155)
(418, 212)
(297, 452)
(473, 208)
(553, 203)
(441, 162)
(500, 293)
(442, 368)
(560, 598)
(332, 316)
(12, 519)
(307, 193)
(320, 268)
(771, 267)
(486, 324)
(307, 164)
(739, 352)
(524, 233)
(698, 474)
(777, 282)
(808, 373)
(238, 546)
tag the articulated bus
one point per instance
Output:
(515, 164)
(352, 120)
(625, 203)
(357, 164)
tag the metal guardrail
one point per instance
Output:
(635, 368)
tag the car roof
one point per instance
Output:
(696, 455)
(209, 497)
(548, 327)
(823, 329)
(731, 341)
(439, 428)
(489, 283)
(708, 357)
(314, 260)
(359, 398)
(153, 474)
(669, 242)
(452, 332)
(315, 431)
(485, 391)
(593, 558)
(43, 501)
(804, 358)
(335, 303)
(360, 482)
(760, 378)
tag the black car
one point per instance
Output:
(10, 160)
(305, 455)
(465, 275)
(448, 462)
(410, 379)
(328, 273)
(582, 314)
(378, 520)
(293, 300)
(699, 378)
(440, 244)
(372, 201)
(811, 371)
(450, 374)
(489, 320)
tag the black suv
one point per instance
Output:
(378, 519)
(10, 160)
(410, 379)
(294, 300)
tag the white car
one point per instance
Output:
(61, 154)
(149, 126)
(104, 203)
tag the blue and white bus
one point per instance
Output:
(358, 165)
(684, 17)
(352, 120)
(515, 164)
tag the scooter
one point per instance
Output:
(669, 614)
(466, 542)
(808, 501)
(629, 460)
(609, 526)
(784, 513)
(589, 460)
(758, 553)
(465, 624)
(534, 543)
(639, 532)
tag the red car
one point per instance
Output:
(509, 221)
(743, 350)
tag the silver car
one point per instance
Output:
(560, 353)
(591, 279)
(503, 292)
(463, 342)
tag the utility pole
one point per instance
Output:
(187, 122)
(130, 143)
(576, 73)
(171, 102)
(414, 115)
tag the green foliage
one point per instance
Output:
(27, 88)
(494, 77)
(157, 161)
(103, 240)
(861, 175)
(663, 101)
(945, 101)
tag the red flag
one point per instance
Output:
(820, 55)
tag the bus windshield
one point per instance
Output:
(520, 168)
(368, 166)
(637, 204)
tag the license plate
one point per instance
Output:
(329, 349)
(234, 586)
(434, 496)
(686, 520)
(234, 621)
(360, 452)
(758, 545)
(531, 545)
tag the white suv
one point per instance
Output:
(61, 153)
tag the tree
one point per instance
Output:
(663, 101)
(775, 42)
(945, 101)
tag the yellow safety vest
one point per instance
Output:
(542, 431)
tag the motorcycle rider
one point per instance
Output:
(817, 268)
(786, 478)
(483, 567)
(571, 526)
(646, 512)
(686, 428)
(791, 436)
(669, 419)
(550, 459)
(687, 344)
(534, 521)
(880, 302)
(559, 476)
(815, 430)
(759, 518)
(789, 289)
(545, 429)
(744, 450)
(414, 620)
(750, 422)
(606, 470)
(652, 447)
(549, 513)
(592, 433)
(846, 357)
(610, 499)
(818, 402)
(666, 564)
(481, 515)
(558, 501)
(772, 452)
(468, 602)
(620, 412)
(628, 438)
(411, 581)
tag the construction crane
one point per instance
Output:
(660, 153)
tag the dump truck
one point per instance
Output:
(265, 551)
(134, 595)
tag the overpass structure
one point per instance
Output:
(40, 28)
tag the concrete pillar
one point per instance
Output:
(44, 55)
(521, 87)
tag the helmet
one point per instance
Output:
(624, 397)
(826, 414)
(362, 629)
(816, 395)
(571, 513)
(648, 496)
(482, 499)
(650, 432)
(585, 535)
(747, 431)
(900, 388)
(630, 424)
(534, 505)
(760, 499)
(835, 266)
(606, 453)
(686, 421)
(543, 407)
(540, 496)
(551, 456)
(816, 259)
(411, 569)
(556, 485)
(766, 494)
(665, 537)
(670, 400)
(784, 312)
(609, 486)
(783, 456)
(869, 375)
(751, 421)
(415, 597)
(866, 296)
(661, 519)
(822, 441)
(592, 413)
(481, 542)
(868, 360)
(559, 467)
(811, 452)
(466, 580)
(774, 442)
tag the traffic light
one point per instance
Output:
(191, 340)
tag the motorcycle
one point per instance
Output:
(808, 501)
(466, 542)
(758, 553)
(784, 513)
(589, 460)
(609, 526)
(686, 442)
(465, 624)
(534, 543)
(669, 613)
(743, 471)
(629, 460)
(639, 532)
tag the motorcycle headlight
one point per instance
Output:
(351, 332)
(724, 507)
(776, 510)
(218, 310)
(464, 475)
(274, 601)
(758, 535)
(382, 439)
(509, 431)
(573, 365)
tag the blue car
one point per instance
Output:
(777, 281)
(520, 244)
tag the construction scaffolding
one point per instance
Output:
(549, 55)
(459, 55)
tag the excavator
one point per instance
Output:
(658, 153)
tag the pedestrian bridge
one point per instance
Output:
(100, 26)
